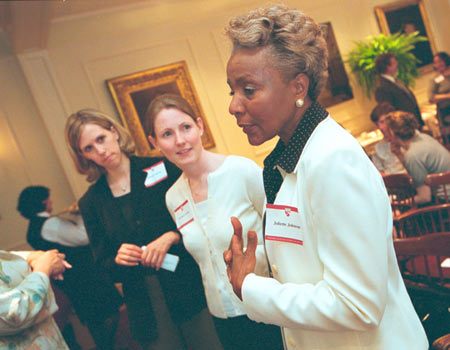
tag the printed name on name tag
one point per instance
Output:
(283, 224)
(155, 174)
(183, 215)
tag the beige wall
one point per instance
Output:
(27, 156)
(84, 51)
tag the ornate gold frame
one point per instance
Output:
(132, 93)
(380, 12)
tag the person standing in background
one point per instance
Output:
(392, 90)
(440, 88)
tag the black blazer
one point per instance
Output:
(90, 290)
(108, 228)
(402, 99)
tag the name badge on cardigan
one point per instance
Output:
(183, 215)
(283, 224)
(155, 174)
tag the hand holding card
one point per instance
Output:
(170, 261)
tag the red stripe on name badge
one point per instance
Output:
(156, 164)
(186, 223)
(284, 239)
(181, 205)
(156, 182)
(277, 206)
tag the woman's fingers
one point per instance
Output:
(153, 257)
(252, 242)
(67, 265)
(129, 255)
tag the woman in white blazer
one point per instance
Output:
(328, 224)
(212, 188)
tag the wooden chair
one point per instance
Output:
(420, 270)
(445, 136)
(401, 192)
(438, 182)
(428, 283)
(423, 221)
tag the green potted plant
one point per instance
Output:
(362, 58)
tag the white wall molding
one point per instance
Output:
(53, 107)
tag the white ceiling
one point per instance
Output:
(26, 23)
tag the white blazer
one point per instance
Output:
(342, 288)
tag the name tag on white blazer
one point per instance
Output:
(283, 224)
(155, 174)
(183, 215)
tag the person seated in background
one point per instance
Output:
(27, 301)
(420, 153)
(440, 88)
(384, 160)
(93, 295)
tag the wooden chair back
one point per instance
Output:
(423, 221)
(401, 192)
(445, 136)
(427, 281)
(420, 261)
(437, 183)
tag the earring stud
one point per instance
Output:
(300, 102)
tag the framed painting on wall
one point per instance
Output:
(337, 88)
(408, 16)
(133, 93)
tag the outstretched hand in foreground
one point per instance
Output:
(240, 263)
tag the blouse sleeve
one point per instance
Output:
(30, 302)
(255, 186)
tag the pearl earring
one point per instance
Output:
(300, 102)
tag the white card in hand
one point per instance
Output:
(170, 261)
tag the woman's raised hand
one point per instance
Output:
(128, 255)
(155, 251)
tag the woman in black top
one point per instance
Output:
(129, 227)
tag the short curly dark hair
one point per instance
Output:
(31, 200)
(297, 43)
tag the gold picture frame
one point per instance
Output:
(408, 16)
(132, 94)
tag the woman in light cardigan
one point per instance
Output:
(212, 189)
